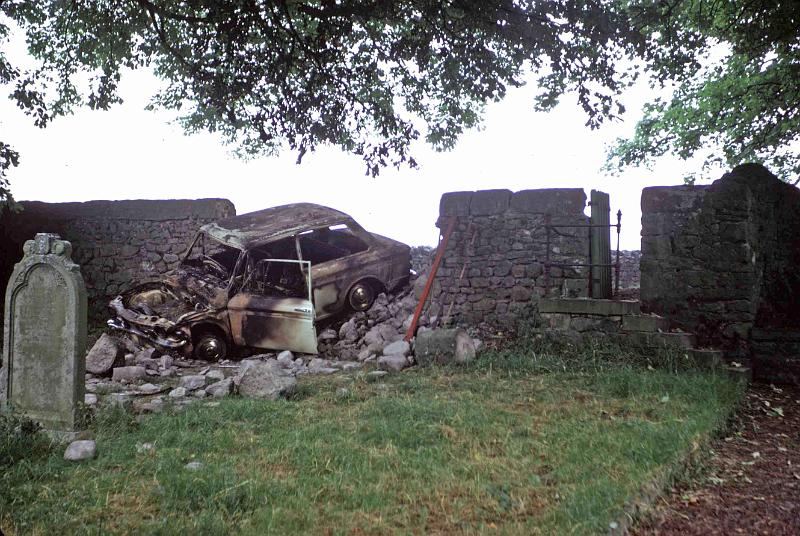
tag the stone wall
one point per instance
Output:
(114, 242)
(499, 245)
(629, 274)
(720, 260)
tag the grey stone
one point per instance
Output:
(265, 380)
(128, 373)
(190, 383)
(104, 355)
(90, 399)
(376, 374)
(194, 466)
(394, 363)
(150, 389)
(42, 374)
(78, 451)
(215, 375)
(166, 361)
(397, 348)
(221, 388)
(285, 358)
(142, 448)
(328, 335)
(178, 392)
(199, 393)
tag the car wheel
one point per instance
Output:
(361, 296)
(210, 347)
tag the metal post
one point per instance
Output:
(616, 267)
(547, 257)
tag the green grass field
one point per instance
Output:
(530, 440)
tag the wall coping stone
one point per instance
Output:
(134, 209)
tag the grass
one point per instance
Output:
(534, 439)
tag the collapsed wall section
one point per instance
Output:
(114, 242)
(721, 260)
(495, 261)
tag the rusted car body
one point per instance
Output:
(261, 280)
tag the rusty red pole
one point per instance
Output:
(431, 276)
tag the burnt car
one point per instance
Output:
(262, 280)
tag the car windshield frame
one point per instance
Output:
(236, 265)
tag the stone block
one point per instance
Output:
(489, 202)
(455, 204)
(589, 306)
(549, 201)
(644, 323)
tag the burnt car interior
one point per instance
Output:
(329, 243)
(266, 274)
(213, 258)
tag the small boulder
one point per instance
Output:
(120, 400)
(285, 358)
(105, 353)
(90, 399)
(150, 389)
(81, 450)
(190, 383)
(393, 363)
(129, 374)
(215, 375)
(178, 392)
(400, 347)
(265, 380)
(193, 466)
(221, 388)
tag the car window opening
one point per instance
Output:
(330, 243)
(212, 258)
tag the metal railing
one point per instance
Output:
(550, 229)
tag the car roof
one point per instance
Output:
(271, 224)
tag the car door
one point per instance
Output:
(275, 311)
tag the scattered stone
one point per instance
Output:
(397, 348)
(194, 466)
(394, 363)
(166, 361)
(443, 346)
(141, 448)
(215, 375)
(221, 388)
(120, 400)
(286, 357)
(78, 451)
(128, 373)
(150, 389)
(200, 393)
(90, 399)
(265, 380)
(155, 405)
(104, 355)
(327, 335)
(376, 374)
(190, 383)
(342, 392)
(178, 392)
(167, 373)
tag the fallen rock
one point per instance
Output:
(190, 383)
(166, 361)
(394, 363)
(81, 450)
(150, 388)
(397, 348)
(286, 358)
(178, 392)
(104, 355)
(128, 373)
(265, 380)
(90, 399)
(221, 388)
(443, 346)
(200, 393)
(376, 374)
(193, 466)
(215, 375)
(120, 400)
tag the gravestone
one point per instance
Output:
(44, 344)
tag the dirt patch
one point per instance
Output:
(751, 484)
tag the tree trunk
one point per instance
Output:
(443, 346)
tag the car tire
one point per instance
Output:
(210, 347)
(361, 296)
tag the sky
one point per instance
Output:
(130, 153)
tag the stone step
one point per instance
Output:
(707, 358)
(586, 306)
(674, 340)
(652, 323)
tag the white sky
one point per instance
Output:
(130, 153)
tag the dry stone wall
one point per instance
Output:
(721, 260)
(494, 264)
(114, 242)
